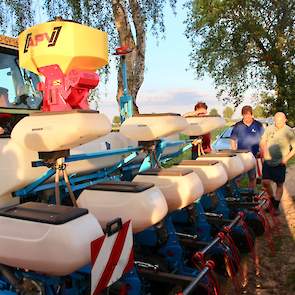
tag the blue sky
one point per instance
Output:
(168, 85)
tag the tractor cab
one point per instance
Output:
(18, 88)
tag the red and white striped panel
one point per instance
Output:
(111, 257)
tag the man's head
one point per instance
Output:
(201, 108)
(280, 119)
(247, 113)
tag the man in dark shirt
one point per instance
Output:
(200, 110)
(246, 135)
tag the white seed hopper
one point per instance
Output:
(181, 187)
(47, 239)
(16, 170)
(246, 157)
(212, 173)
(203, 125)
(147, 127)
(143, 203)
(55, 131)
(232, 163)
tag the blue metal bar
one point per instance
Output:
(107, 153)
(105, 172)
(36, 185)
(129, 158)
(73, 180)
(99, 176)
(126, 107)
(87, 156)
(165, 144)
(31, 187)
(146, 164)
(124, 77)
(126, 101)
(131, 167)
(159, 152)
(192, 286)
(92, 182)
(163, 159)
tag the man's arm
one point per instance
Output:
(261, 132)
(292, 152)
(263, 143)
(288, 157)
(233, 144)
(234, 138)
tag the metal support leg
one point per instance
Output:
(71, 193)
(57, 192)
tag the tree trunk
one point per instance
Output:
(136, 60)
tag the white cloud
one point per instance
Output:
(176, 96)
(177, 100)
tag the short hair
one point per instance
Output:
(247, 109)
(201, 105)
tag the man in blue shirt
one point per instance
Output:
(246, 135)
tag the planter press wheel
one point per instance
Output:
(255, 224)
(240, 239)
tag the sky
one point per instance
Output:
(168, 85)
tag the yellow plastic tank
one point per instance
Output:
(68, 44)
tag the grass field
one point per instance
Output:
(291, 162)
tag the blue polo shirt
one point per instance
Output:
(248, 137)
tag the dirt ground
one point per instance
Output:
(275, 274)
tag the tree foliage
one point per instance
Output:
(259, 112)
(246, 43)
(15, 15)
(213, 112)
(126, 22)
(228, 112)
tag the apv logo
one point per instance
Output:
(33, 41)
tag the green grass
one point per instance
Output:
(291, 162)
(183, 136)
(244, 182)
(185, 156)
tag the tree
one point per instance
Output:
(228, 113)
(126, 23)
(258, 112)
(246, 44)
(213, 112)
(15, 15)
